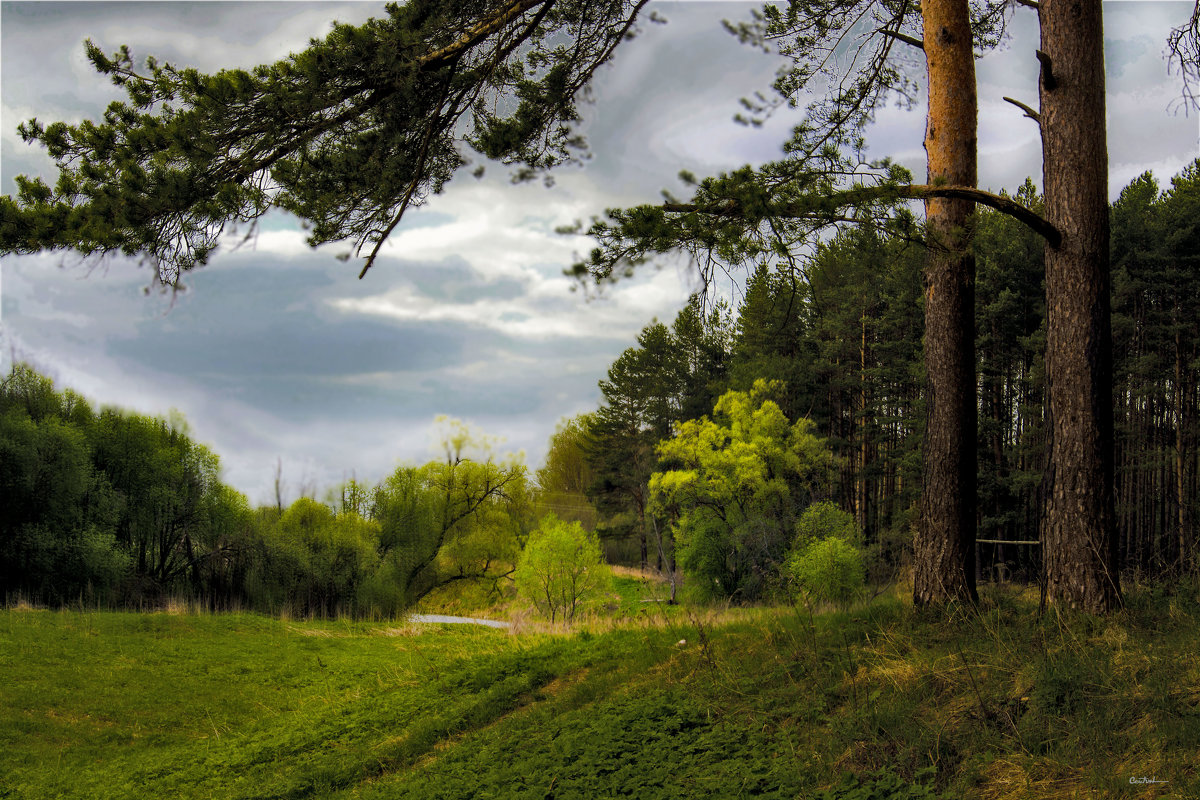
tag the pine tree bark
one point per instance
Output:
(1079, 541)
(944, 545)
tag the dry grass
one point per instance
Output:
(647, 574)
(320, 633)
(404, 629)
(21, 604)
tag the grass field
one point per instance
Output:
(871, 702)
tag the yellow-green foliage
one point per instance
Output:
(827, 569)
(562, 568)
(824, 563)
(822, 520)
(735, 484)
(463, 518)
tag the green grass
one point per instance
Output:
(877, 701)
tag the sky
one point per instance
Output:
(278, 352)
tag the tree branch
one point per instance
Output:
(864, 194)
(903, 37)
(1030, 3)
(1029, 112)
(478, 33)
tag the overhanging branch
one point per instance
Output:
(866, 194)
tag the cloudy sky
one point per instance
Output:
(278, 351)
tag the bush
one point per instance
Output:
(824, 520)
(827, 569)
(561, 568)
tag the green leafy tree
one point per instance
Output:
(734, 488)
(228, 540)
(562, 482)
(161, 478)
(456, 520)
(56, 539)
(350, 497)
(673, 374)
(561, 569)
(325, 558)
(825, 563)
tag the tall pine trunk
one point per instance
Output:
(944, 546)
(1183, 423)
(1079, 541)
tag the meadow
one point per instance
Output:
(639, 700)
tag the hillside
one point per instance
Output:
(756, 702)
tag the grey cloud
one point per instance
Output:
(455, 280)
(246, 323)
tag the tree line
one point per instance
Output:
(844, 337)
(715, 435)
(114, 508)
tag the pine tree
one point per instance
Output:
(347, 135)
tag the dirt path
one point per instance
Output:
(491, 623)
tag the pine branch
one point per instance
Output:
(864, 194)
(478, 33)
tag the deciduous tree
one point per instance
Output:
(734, 487)
(561, 568)
(453, 520)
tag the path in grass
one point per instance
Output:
(446, 619)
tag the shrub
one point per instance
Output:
(823, 520)
(827, 569)
(561, 568)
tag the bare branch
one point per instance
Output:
(1183, 47)
(1029, 112)
(903, 37)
